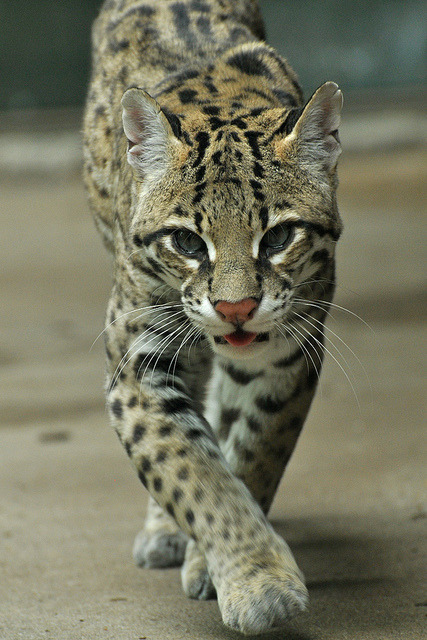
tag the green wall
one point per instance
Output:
(44, 45)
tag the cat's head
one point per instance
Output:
(240, 217)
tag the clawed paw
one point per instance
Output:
(261, 600)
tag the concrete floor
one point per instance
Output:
(351, 503)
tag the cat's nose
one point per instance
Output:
(236, 312)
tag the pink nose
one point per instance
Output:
(236, 312)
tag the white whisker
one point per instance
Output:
(320, 324)
(140, 340)
(148, 309)
(322, 346)
(292, 329)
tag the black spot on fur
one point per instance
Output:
(286, 98)
(216, 122)
(240, 376)
(183, 473)
(181, 20)
(216, 157)
(142, 477)
(174, 122)
(269, 404)
(210, 86)
(288, 124)
(258, 170)
(155, 265)
(211, 110)
(120, 45)
(165, 431)
(145, 465)
(253, 424)
(317, 228)
(202, 138)
(161, 456)
(187, 95)
(200, 173)
(138, 432)
(176, 405)
(255, 185)
(238, 122)
(198, 221)
(194, 434)
(249, 63)
(204, 26)
(157, 484)
(252, 138)
(228, 416)
(262, 337)
(320, 256)
(263, 216)
(189, 516)
(199, 5)
(117, 408)
(177, 494)
(199, 494)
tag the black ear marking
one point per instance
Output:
(151, 132)
(174, 122)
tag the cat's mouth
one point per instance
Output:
(241, 338)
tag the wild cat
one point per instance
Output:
(214, 186)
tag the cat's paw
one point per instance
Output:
(261, 600)
(159, 549)
(195, 578)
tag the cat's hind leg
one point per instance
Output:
(160, 543)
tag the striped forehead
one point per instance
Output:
(228, 175)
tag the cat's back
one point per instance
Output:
(142, 44)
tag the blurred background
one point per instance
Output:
(370, 44)
(355, 488)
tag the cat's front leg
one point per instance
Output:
(257, 415)
(178, 459)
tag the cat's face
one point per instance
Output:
(242, 219)
(242, 249)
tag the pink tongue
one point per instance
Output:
(240, 338)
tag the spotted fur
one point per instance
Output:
(214, 186)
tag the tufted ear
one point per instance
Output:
(151, 139)
(316, 130)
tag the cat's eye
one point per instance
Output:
(188, 242)
(276, 239)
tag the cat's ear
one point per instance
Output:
(151, 139)
(316, 130)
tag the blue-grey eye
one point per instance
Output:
(188, 242)
(276, 239)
